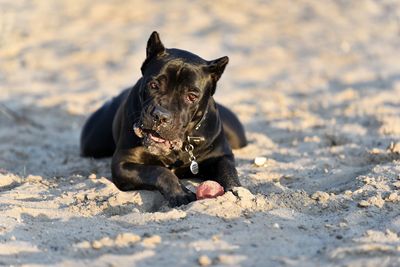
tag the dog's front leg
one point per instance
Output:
(224, 172)
(131, 176)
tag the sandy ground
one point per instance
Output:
(316, 84)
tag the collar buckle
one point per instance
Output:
(195, 139)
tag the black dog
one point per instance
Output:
(167, 127)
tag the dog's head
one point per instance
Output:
(174, 91)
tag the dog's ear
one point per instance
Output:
(154, 45)
(215, 68)
(154, 48)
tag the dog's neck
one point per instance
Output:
(198, 125)
(194, 139)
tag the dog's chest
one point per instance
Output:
(175, 160)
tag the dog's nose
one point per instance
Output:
(162, 115)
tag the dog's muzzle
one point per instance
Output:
(152, 137)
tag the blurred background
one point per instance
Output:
(80, 49)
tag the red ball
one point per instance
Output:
(209, 189)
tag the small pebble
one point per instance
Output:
(229, 259)
(260, 161)
(204, 260)
(375, 151)
(151, 241)
(393, 197)
(92, 176)
(363, 203)
(377, 201)
(126, 238)
(276, 225)
(320, 196)
(84, 245)
(348, 193)
(97, 244)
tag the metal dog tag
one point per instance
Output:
(194, 167)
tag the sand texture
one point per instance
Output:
(316, 84)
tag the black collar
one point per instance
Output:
(201, 120)
(197, 139)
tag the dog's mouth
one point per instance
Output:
(152, 137)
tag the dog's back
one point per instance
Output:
(96, 138)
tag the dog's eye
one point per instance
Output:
(153, 85)
(191, 97)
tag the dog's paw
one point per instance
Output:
(185, 196)
(231, 186)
